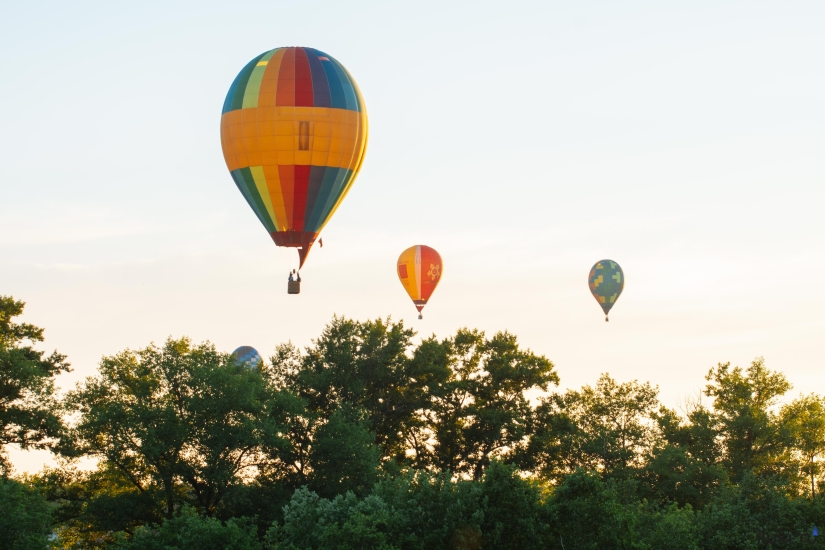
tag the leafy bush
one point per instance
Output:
(191, 531)
(25, 519)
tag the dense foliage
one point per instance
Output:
(25, 517)
(366, 439)
(28, 410)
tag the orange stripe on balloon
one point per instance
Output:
(407, 259)
(226, 146)
(417, 261)
(269, 82)
(249, 131)
(287, 177)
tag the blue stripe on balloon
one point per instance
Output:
(349, 91)
(342, 178)
(316, 177)
(314, 218)
(338, 99)
(320, 83)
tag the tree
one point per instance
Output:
(612, 426)
(344, 457)
(756, 513)
(754, 437)
(25, 520)
(191, 531)
(343, 522)
(669, 527)
(586, 513)
(180, 414)
(433, 510)
(513, 512)
(89, 507)
(804, 418)
(365, 366)
(481, 410)
(448, 405)
(685, 465)
(29, 412)
(419, 511)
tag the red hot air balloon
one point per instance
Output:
(419, 270)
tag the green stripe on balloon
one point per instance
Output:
(243, 80)
(253, 86)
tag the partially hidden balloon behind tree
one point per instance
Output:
(247, 356)
(606, 281)
(419, 270)
(294, 134)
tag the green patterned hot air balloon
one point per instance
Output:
(606, 282)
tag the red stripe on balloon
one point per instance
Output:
(431, 270)
(300, 196)
(303, 80)
(285, 96)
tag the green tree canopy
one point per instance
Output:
(365, 366)
(178, 414)
(804, 421)
(609, 428)
(89, 506)
(685, 466)
(369, 439)
(449, 405)
(25, 518)
(753, 435)
(29, 412)
(344, 456)
(191, 531)
(480, 409)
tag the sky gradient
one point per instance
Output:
(522, 140)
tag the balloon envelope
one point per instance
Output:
(294, 134)
(606, 281)
(419, 270)
(247, 356)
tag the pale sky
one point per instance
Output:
(522, 140)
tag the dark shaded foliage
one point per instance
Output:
(367, 440)
(191, 531)
(25, 518)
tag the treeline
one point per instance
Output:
(366, 440)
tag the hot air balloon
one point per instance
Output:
(419, 270)
(606, 281)
(247, 356)
(294, 134)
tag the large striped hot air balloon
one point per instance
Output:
(606, 281)
(419, 270)
(294, 134)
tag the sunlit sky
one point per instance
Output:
(522, 140)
